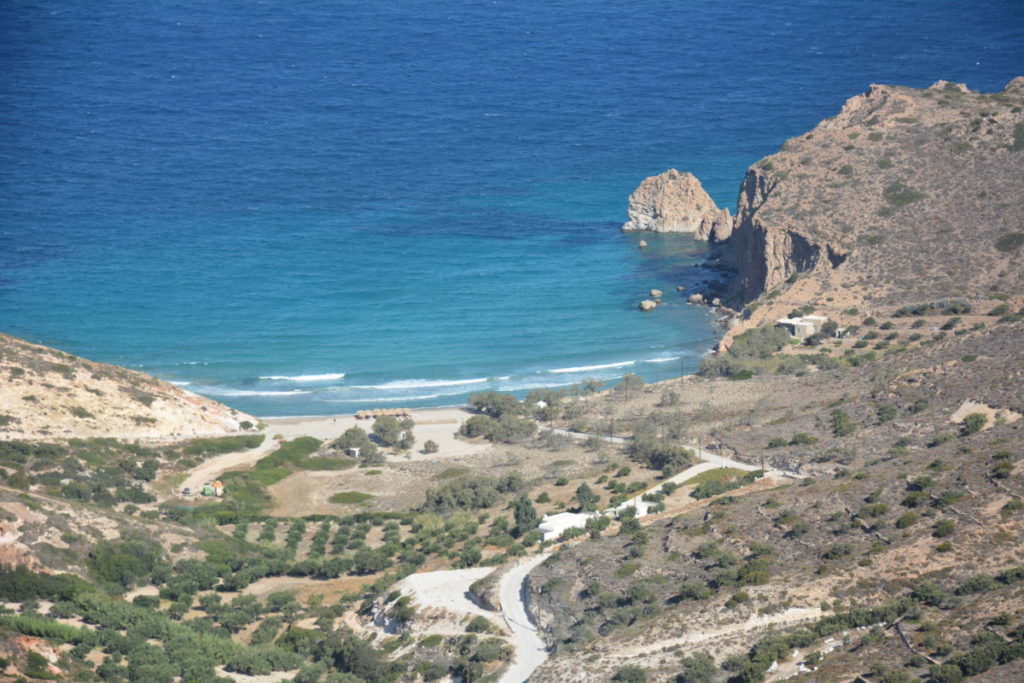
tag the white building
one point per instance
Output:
(552, 526)
(804, 326)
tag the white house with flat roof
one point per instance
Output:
(803, 326)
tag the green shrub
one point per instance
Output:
(18, 584)
(1018, 135)
(886, 412)
(124, 563)
(1010, 241)
(223, 444)
(842, 425)
(496, 404)
(470, 493)
(737, 599)
(974, 423)
(1015, 505)
(899, 194)
(479, 624)
(907, 519)
(944, 528)
(630, 674)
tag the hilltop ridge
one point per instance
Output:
(50, 394)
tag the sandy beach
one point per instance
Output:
(432, 424)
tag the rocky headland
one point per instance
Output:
(906, 195)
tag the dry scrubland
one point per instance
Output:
(49, 394)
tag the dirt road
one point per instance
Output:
(789, 617)
(214, 467)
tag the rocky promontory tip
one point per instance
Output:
(674, 201)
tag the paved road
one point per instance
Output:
(530, 650)
(447, 589)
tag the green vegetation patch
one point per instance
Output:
(350, 497)
(899, 195)
(719, 474)
(222, 444)
(452, 473)
(1011, 241)
(720, 485)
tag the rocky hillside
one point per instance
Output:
(49, 394)
(891, 551)
(914, 192)
(906, 195)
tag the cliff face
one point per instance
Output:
(913, 193)
(906, 195)
(765, 257)
(676, 202)
(49, 394)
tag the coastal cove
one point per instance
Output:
(512, 343)
(335, 223)
(544, 310)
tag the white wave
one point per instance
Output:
(590, 368)
(663, 359)
(527, 384)
(326, 377)
(391, 399)
(180, 384)
(245, 392)
(398, 385)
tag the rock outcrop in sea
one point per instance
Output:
(674, 201)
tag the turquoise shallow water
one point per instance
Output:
(319, 207)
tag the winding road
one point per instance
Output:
(530, 650)
(447, 588)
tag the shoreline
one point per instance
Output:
(687, 364)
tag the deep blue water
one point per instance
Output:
(424, 196)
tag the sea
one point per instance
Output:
(316, 207)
